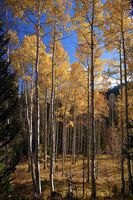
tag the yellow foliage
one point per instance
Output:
(101, 105)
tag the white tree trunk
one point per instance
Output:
(52, 161)
(46, 132)
(37, 112)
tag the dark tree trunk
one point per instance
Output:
(126, 110)
(93, 191)
(121, 129)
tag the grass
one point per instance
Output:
(108, 180)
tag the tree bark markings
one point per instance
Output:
(37, 110)
(126, 100)
(52, 112)
(93, 191)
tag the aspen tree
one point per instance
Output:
(121, 28)
(57, 19)
(21, 60)
(91, 17)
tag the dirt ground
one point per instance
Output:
(108, 179)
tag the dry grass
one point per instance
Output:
(108, 178)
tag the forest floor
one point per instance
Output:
(108, 178)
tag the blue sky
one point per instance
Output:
(69, 43)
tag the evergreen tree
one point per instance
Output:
(9, 118)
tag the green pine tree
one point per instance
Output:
(9, 119)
